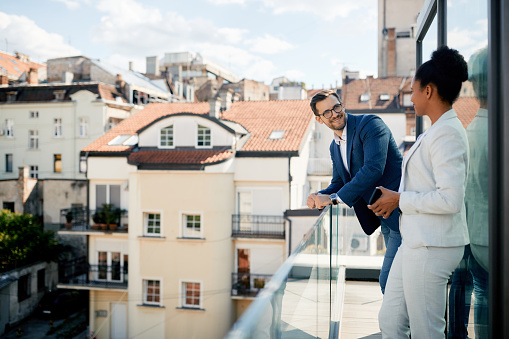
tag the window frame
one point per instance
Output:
(57, 128)
(145, 282)
(146, 219)
(198, 136)
(57, 159)
(183, 224)
(33, 139)
(183, 291)
(33, 172)
(26, 287)
(83, 127)
(172, 137)
(9, 128)
(9, 161)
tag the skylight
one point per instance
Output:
(364, 97)
(277, 135)
(385, 97)
(119, 140)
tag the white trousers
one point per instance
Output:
(415, 296)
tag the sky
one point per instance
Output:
(306, 41)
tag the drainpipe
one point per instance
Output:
(289, 207)
(289, 233)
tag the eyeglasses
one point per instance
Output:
(328, 113)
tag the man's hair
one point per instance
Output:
(322, 95)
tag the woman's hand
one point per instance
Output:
(388, 202)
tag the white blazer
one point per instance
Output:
(432, 186)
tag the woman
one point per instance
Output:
(431, 200)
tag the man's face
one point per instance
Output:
(337, 121)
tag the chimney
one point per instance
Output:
(119, 82)
(130, 65)
(153, 65)
(67, 77)
(226, 98)
(33, 77)
(215, 107)
(391, 52)
(4, 80)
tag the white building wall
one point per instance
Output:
(185, 132)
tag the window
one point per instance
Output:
(364, 97)
(83, 127)
(191, 294)
(34, 172)
(153, 223)
(23, 287)
(57, 128)
(166, 137)
(57, 163)
(11, 96)
(192, 226)
(9, 128)
(107, 194)
(8, 163)
(59, 95)
(34, 114)
(33, 139)
(83, 164)
(384, 97)
(41, 279)
(203, 136)
(8, 205)
(276, 135)
(152, 292)
(112, 122)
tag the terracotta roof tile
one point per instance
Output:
(260, 118)
(353, 90)
(202, 157)
(466, 108)
(14, 66)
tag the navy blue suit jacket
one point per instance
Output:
(373, 160)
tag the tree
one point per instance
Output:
(23, 241)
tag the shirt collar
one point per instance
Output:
(339, 140)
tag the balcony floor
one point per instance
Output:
(362, 301)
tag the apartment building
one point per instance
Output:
(199, 192)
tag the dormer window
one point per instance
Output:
(204, 137)
(364, 97)
(59, 95)
(385, 97)
(166, 137)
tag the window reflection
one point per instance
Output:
(467, 32)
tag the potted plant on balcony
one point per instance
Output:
(68, 219)
(99, 222)
(111, 216)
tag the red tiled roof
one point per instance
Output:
(141, 119)
(353, 90)
(260, 118)
(466, 108)
(179, 157)
(14, 66)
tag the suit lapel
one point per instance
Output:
(350, 131)
(344, 173)
(411, 151)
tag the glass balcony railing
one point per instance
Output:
(300, 300)
(258, 226)
(304, 298)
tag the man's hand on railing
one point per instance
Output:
(311, 200)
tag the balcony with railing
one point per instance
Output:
(248, 284)
(320, 166)
(106, 219)
(79, 273)
(258, 226)
(305, 297)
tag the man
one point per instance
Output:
(364, 156)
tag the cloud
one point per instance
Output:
(25, 36)
(294, 74)
(268, 45)
(326, 9)
(70, 4)
(227, 2)
(468, 40)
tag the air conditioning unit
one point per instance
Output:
(359, 243)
